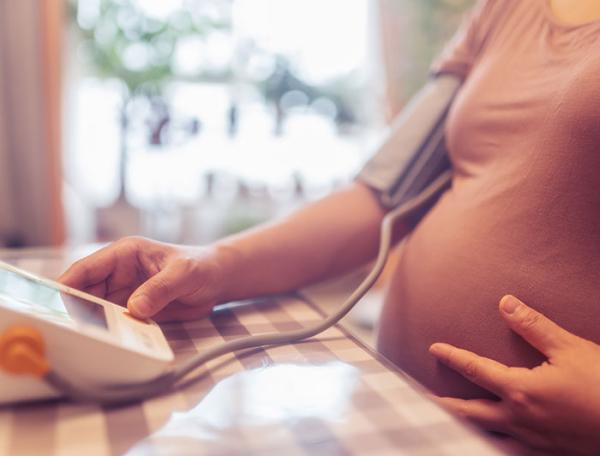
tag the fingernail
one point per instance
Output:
(140, 306)
(436, 349)
(509, 304)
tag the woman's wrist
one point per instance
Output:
(227, 259)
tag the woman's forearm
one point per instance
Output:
(321, 240)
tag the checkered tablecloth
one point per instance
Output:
(329, 395)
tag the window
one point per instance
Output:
(190, 119)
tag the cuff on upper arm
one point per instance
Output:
(414, 153)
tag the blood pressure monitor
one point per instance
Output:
(92, 350)
(89, 340)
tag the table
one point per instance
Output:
(328, 395)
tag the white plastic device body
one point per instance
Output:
(90, 340)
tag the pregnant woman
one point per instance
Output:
(522, 217)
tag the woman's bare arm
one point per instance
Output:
(176, 282)
(321, 240)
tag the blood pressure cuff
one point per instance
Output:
(414, 154)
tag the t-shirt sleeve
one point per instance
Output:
(460, 53)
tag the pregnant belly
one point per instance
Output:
(453, 271)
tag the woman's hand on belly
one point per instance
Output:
(554, 406)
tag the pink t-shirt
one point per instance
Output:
(523, 214)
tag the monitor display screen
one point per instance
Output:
(30, 296)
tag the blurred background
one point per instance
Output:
(186, 120)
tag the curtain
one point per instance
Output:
(31, 210)
(395, 37)
(413, 32)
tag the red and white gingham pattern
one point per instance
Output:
(329, 395)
